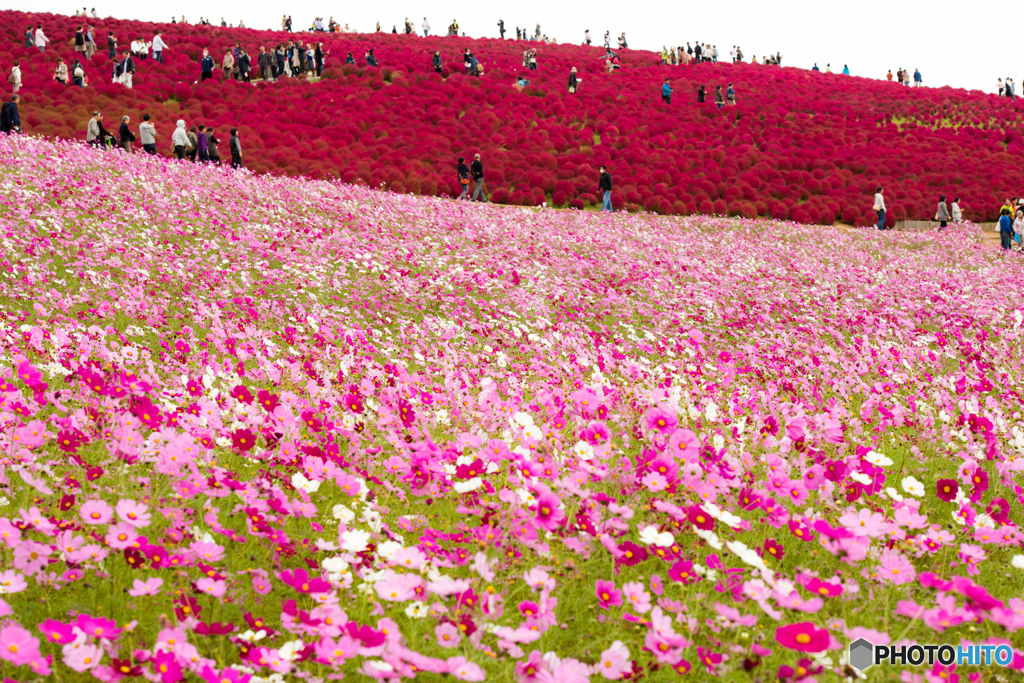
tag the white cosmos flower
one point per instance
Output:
(355, 540)
(533, 432)
(416, 610)
(709, 537)
(387, 549)
(650, 535)
(878, 459)
(1017, 561)
(894, 494)
(300, 482)
(523, 419)
(290, 650)
(583, 450)
(335, 565)
(342, 513)
(860, 478)
(912, 486)
(468, 485)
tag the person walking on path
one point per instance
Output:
(880, 208)
(80, 39)
(90, 42)
(206, 65)
(78, 74)
(228, 64)
(730, 96)
(501, 28)
(92, 132)
(193, 144)
(426, 27)
(15, 76)
(666, 92)
(125, 135)
(263, 62)
(125, 70)
(917, 78)
(604, 186)
(1005, 228)
(942, 213)
(30, 37)
(212, 141)
(158, 48)
(235, 145)
(180, 140)
(955, 210)
(477, 171)
(463, 173)
(60, 73)
(204, 145)
(147, 136)
(40, 38)
(111, 45)
(719, 97)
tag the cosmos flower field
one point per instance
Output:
(258, 427)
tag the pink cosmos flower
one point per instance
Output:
(462, 669)
(709, 659)
(214, 587)
(614, 661)
(637, 597)
(864, 523)
(83, 658)
(895, 567)
(166, 667)
(17, 645)
(661, 420)
(11, 582)
(803, 637)
(135, 514)
(447, 635)
(150, 586)
(95, 512)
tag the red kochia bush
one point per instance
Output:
(801, 145)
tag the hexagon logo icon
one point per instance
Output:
(862, 654)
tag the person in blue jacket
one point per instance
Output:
(846, 70)
(666, 92)
(917, 78)
(1005, 229)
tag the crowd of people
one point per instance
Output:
(1010, 223)
(198, 144)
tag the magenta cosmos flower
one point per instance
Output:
(549, 514)
(947, 489)
(803, 637)
(608, 595)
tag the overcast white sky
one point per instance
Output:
(961, 46)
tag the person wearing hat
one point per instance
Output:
(573, 81)
(158, 48)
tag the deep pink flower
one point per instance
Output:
(549, 511)
(300, 580)
(661, 420)
(946, 489)
(608, 595)
(803, 637)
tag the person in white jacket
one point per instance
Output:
(426, 27)
(158, 47)
(180, 140)
(16, 76)
(880, 208)
(41, 39)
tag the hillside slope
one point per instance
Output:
(802, 145)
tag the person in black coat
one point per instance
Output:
(125, 135)
(244, 65)
(438, 64)
(463, 173)
(206, 64)
(477, 171)
(701, 95)
(263, 62)
(371, 59)
(111, 45)
(573, 81)
(604, 185)
(318, 58)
